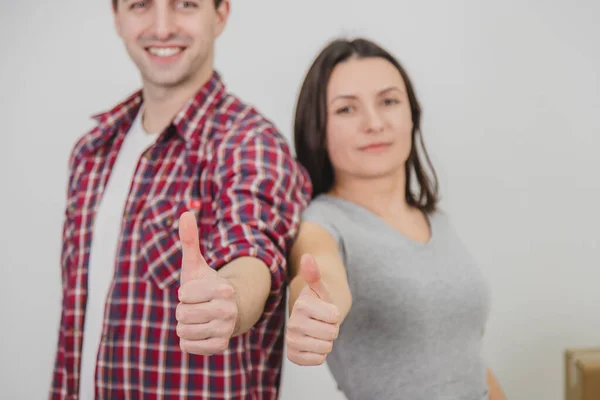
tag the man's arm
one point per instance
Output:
(214, 306)
(251, 281)
(259, 194)
(235, 277)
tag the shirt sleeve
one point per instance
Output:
(260, 192)
(72, 165)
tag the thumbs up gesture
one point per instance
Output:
(207, 312)
(314, 322)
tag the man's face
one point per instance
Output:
(170, 41)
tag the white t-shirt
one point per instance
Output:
(107, 229)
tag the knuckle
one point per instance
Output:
(301, 360)
(289, 340)
(230, 311)
(302, 305)
(291, 328)
(224, 330)
(334, 333)
(336, 314)
(294, 323)
(293, 357)
(180, 330)
(179, 313)
(184, 346)
(297, 358)
(291, 322)
(226, 311)
(184, 316)
(222, 344)
(187, 316)
(329, 347)
(292, 341)
(225, 290)
(202, 315)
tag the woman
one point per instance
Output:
(382, 285)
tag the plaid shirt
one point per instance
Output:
(221, 159)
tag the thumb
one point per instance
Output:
(193, 265)
(312, 276)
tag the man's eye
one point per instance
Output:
(186, 4)
(138, 4)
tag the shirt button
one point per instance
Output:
(195, 203)
(169, 221)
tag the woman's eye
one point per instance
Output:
(389, 102)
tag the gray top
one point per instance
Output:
(419, 310)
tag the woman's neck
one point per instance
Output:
(384, 196)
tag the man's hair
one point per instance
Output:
(310, 124)
(116, 2)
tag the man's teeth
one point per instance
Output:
(164, 51)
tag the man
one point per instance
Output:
(181, 206)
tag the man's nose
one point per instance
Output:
(164, 22)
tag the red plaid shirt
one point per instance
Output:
(221, 159)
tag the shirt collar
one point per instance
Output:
(185, 123)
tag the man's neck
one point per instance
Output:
(162, 104)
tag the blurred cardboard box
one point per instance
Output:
(582, 369)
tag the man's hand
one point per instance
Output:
(314, 322)
(207, 313)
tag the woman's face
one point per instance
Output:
(369, 122)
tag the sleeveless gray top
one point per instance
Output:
(419, 310)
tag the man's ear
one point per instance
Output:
(222, 16)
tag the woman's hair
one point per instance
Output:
(310, 125)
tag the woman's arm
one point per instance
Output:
(316, 241)
(320, 297)
(494, 390)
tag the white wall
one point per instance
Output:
(511, 95)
